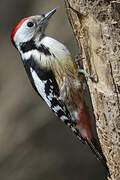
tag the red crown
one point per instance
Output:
(16, 28)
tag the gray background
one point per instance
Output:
(34, 144)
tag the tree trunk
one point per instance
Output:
(96, 25)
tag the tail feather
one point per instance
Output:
(93, 145)
(97, 151)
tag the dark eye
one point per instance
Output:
(30, 24)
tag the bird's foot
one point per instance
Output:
(93, 77)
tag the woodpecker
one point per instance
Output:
(53, 74)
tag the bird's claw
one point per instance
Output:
(93, 77)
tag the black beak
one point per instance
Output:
(48, 15)
(45, 19)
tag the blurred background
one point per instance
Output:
(34, 144)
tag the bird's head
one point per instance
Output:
(30, 28)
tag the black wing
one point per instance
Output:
(51, 89)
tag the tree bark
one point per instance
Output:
(96, 25)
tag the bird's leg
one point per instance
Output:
(78, 61)
(87, 75)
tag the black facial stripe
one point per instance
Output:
(30, 45)
(27, 46)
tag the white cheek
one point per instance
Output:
(23, 34)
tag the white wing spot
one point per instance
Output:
(57, 108)
(63, 118)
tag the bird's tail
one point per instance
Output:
(93, 145)
(97, 151)
(95, 148)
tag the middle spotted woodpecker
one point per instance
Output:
(53, 74)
